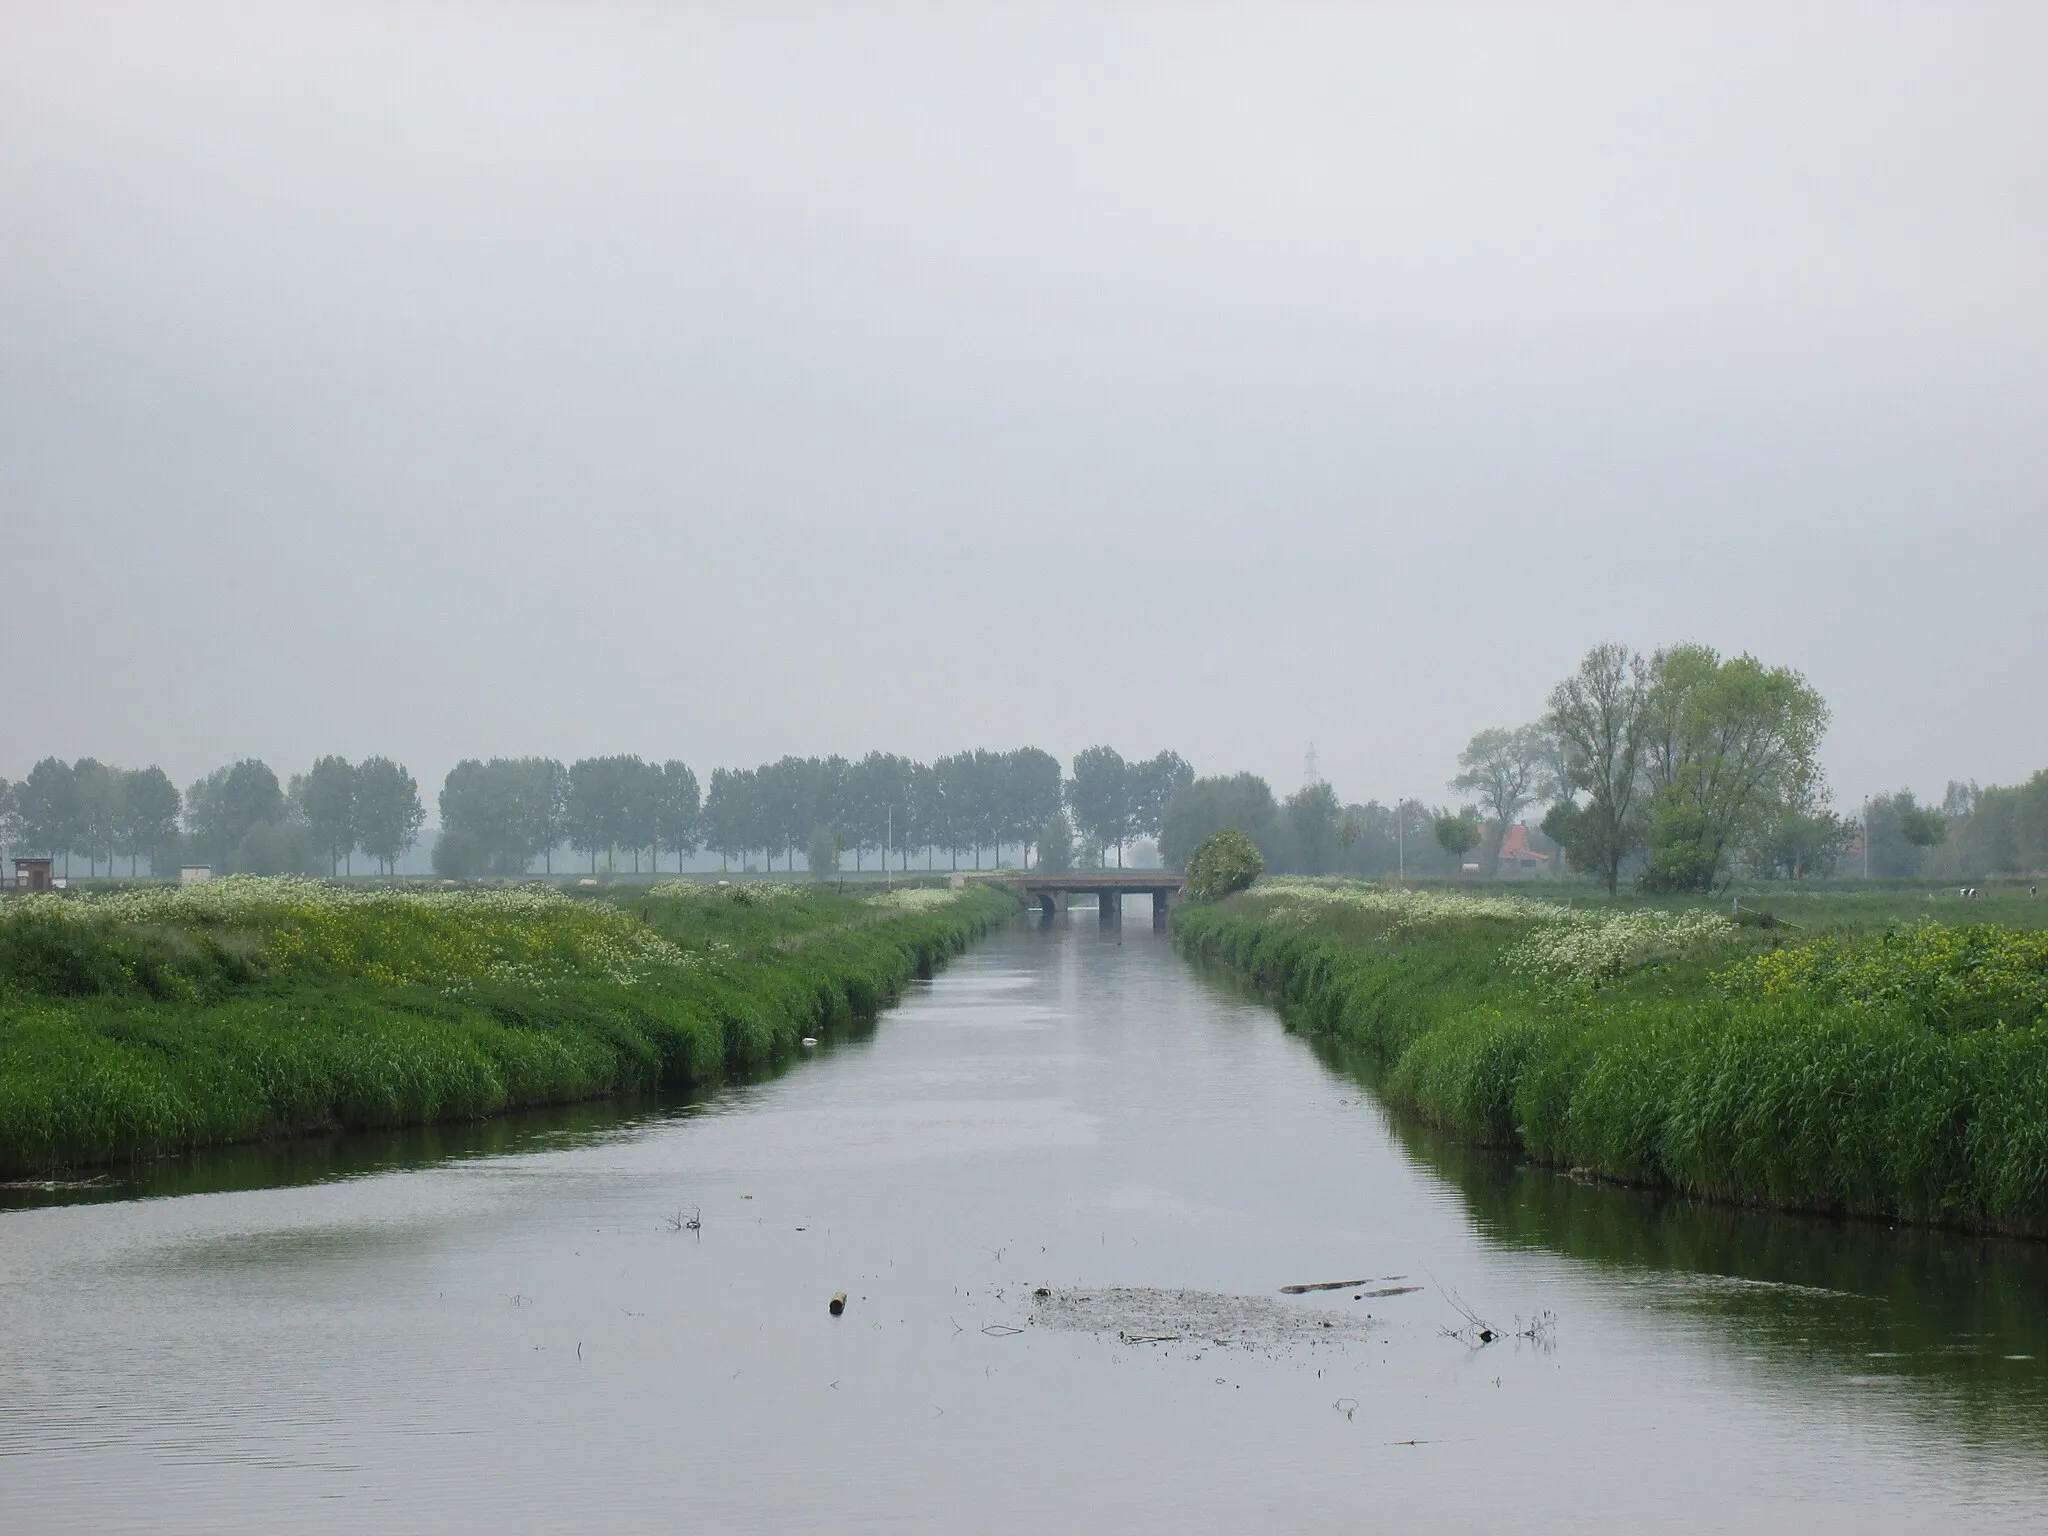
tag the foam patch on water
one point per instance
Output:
(1146, 1315)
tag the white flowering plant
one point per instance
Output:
(1563, 945)
(528, 934)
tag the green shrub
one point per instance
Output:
(457, 854)
(1224, 862)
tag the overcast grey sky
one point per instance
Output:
(469, 379)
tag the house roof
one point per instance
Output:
(1516, 845)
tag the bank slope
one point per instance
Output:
(160, 1020)
(1901, 1073)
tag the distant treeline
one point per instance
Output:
(1631, 760)
(1973, 833)
(1311, 832)
(502, 815)
(505, 815)
(238, 817)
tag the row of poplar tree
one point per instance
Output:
(237, 817)
(505, 815)
(500, 816)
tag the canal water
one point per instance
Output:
(517, 1327)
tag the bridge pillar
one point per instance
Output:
(1046, 907)
(1112, 906)
(1159, 901)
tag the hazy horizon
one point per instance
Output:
(442, 382)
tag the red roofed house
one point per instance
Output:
(1518, 857)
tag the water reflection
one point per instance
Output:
(319, 1159)
(1864, 1301)
(500, 1325)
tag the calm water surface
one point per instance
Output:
(502, 1326)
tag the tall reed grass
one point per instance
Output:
(1899, 1073)
(140, 1024)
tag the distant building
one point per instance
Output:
(34, 875)
(1518, 857)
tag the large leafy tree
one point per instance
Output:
(1504, 771)
(825, 801)
(484, 805)
(536, 793)
(1899, 831)
(779, 805)
(595, 814)
(1598, 717)
(99, 811)
(729, 813)
(878, 794)
(1152, 786)
(327, 799)
(952, 825)
(388, 810)
(1313, 812)
(2006, 830)
(1055, 844)
(221, 808)
(46, 804)
(1726, 746)
(988, 819)
(1031, 796)
(10, 818)
(639, 806)
(927, 810)
(148, 827)
(1099, 794)
(1457, 835)
(676, 812)
(1200, 808)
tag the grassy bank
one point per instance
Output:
(1897, 1070)
(154, 1021)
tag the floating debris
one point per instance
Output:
(1143, 1315)
(1344, 1285)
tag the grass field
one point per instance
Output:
(1876, 1059)
(154, 1020)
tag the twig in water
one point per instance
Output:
(1477, 1330)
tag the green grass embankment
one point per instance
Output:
(1900, 1073)
(156, 1021)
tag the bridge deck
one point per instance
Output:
(1132, 880)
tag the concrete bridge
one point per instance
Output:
(1107, 886)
